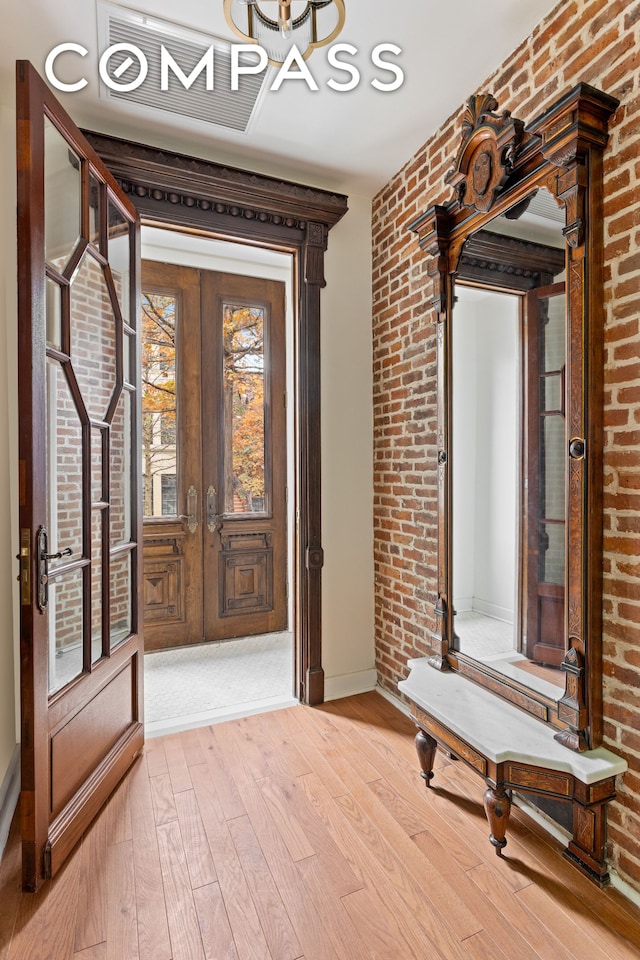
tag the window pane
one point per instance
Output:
(54, 319)
(97, 457)
(64, 466)
(119, 259)
(169, 495)
(120, 455)
(554, 467)
(244, 409)
(62, 198)
(96, 585)
(120, 588)
(93, 337)
(554, 334)
(552, 553)
(65, 629)
(94, 210)
(159, 400)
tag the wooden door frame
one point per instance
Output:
(174, 190)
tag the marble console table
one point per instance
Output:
(512, 750)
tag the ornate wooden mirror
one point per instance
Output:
(516, 265)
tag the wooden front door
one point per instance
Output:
(80, 522)
(214, 455)
(546, 469)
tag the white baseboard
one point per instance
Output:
(396, 701)
(350, 684)
(492, 610)
(9, 794)
(463, 604)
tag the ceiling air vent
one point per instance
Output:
(228, 108)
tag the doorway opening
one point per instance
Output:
(218, 440)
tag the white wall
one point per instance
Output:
(486, 466)
(347, 456)
(8, 445)
(464, 451)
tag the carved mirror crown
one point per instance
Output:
(525, 219)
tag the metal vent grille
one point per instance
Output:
(233, 109)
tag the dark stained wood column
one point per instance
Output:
(310, 533)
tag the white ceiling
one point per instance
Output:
(351, 142)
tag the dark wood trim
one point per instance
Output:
(39, 713)
(225, 202)
(587, 847)
(508, 262)
(562, 151)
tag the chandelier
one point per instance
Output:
(308, 25)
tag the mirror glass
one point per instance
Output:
(509, 445)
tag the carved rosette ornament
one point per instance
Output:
(487, 154)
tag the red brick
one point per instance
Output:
(405, 494)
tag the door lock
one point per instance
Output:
(213, 517)
(42, 560)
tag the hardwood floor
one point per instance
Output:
(307, 834)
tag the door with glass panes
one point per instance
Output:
(80, 522)
(213, 455)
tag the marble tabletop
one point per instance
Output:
(497, 729)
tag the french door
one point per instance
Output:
(213, 455)
(80, 517)
(546, 457)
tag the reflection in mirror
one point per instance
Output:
(510, 446)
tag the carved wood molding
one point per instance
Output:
(212, 187)
(499, 165)
(183, 191)
(487, 154)
(509, 261)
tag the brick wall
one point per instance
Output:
(597, 42)
(93, 352)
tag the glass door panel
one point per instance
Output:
(70, 380)
(120, 447)
(62, 198)
(66, 620)
(64, 468)
(93, 337)
(243, 332)
(547, 473)
(121, 598)
(159, 400)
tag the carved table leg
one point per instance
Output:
(497, 806)
(426, 747)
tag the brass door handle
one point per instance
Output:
(213, 517)
(42, 558)
(191, 516)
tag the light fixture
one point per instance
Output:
(306, 23)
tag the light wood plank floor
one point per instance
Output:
(307, 834)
